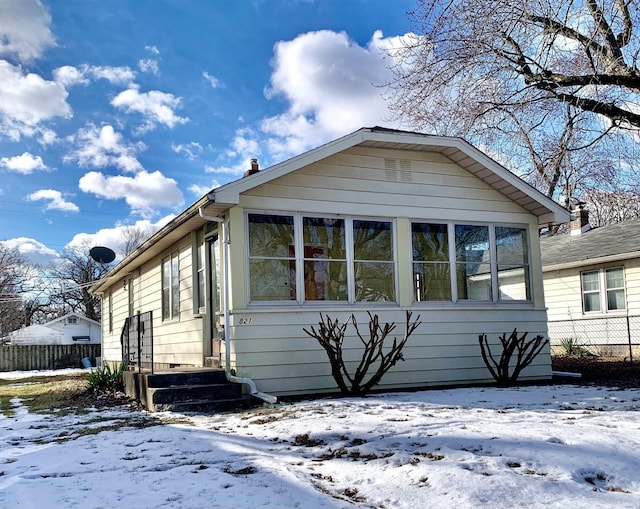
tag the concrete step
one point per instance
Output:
(181, 378)
(202, 406)
(186, 393)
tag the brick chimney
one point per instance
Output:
(580, 219)
(253, 169)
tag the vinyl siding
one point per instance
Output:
(563, 294)
(178, 341)
(282, 359)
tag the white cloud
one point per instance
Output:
(113, 237)
(68, 75)
(149, 65)
(24, 29)
(54, 199)
(47, 136)
(26, 163)
(26, 100)
(213, 81)
(155, 107)
(114, 75)
(236, 169)
(191, 150)
(32, 250)
(97, 147)
(143, 192)
(199, 190)
(330, 84)
(152, 49)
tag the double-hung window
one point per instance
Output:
(302, 258)
(467, 262)
(170, 287)
(603, 290)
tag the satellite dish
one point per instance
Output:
(102, 254)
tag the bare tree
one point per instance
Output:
(133, 236)
(551, 86)
(75, 274)
(607, 207)
(13, 276)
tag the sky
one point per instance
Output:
(121, 113)
(553, 446)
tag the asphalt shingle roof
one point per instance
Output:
(610, 240)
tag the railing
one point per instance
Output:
(137, 341)
(616, 336)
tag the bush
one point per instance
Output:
(526, 352)
(330, 335)
(573, 348)
(106, 378)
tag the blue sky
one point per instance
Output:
(125, 112)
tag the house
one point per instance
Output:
(378, 221)
(592, 286)
(70, 329)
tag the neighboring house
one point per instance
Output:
(69, 329)
(592, 285)
(379, 220)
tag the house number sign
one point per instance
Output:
(244, 321)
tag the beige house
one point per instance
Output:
(592, 286)
(379, 220)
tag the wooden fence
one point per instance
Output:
(31, 357)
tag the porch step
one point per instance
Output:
(193, 392)
(182, 378)
(203, 406)
(190, 390)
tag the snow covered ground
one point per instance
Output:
(552, 446)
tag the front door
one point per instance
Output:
(213, 315)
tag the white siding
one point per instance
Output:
(281, 358)
(176, 342)
(272, 348)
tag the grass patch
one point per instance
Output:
(64, 393)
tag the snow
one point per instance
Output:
(553, 446)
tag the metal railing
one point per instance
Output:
(137, 341)
(615, 336)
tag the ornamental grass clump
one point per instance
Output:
(106, 378)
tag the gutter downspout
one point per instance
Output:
(269, 398)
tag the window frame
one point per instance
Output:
(172, 312)
(454, 263)
(299, 259)
(603, 290)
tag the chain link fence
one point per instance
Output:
(616, 336)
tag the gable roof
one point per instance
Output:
(221, 199)
(77, 315)
(619, 241)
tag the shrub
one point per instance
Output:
(526, 352)
(573, 348)
(330, 335)
(106, 378)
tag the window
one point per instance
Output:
(272, 258)
(199, 284)
(342, 259)
(72, 320)
(110, 305)
(465, 262)
(612, 299)
(170, 288)
(431, 267)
